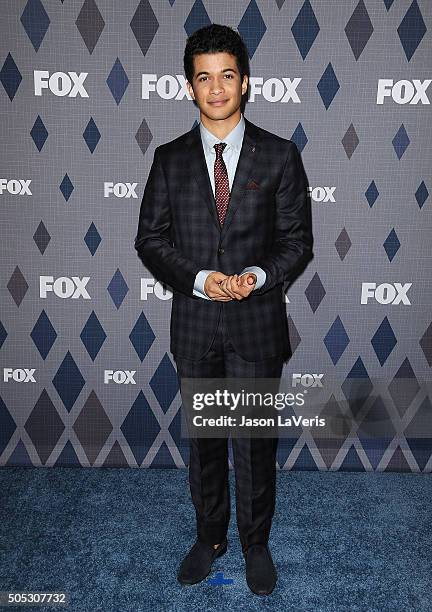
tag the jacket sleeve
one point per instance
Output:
(293, 239)
(153, 241)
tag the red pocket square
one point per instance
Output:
(252, 185)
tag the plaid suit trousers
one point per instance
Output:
(254, 458)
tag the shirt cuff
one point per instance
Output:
(261, 275)
(199, 284)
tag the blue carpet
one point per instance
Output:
(113, 539)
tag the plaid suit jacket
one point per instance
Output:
(268, 223)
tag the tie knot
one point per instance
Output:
(220, 146)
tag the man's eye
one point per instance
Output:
(227, 75)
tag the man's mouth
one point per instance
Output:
(218, 102)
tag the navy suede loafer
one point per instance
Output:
(198, 562)
(261, 573)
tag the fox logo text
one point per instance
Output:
(19, 374)
(275, 90)
(386, 293)
(166, 86)
(120, 190)
(322, 194)
(307, 380)
(120, 377)
(15, 186)
(60, 84)
(149, 286)
(64, 287)
(403, 92)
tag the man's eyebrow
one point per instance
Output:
(224, 70)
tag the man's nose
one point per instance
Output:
(216, 88)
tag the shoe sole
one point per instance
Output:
(220, 552)
(261, 593)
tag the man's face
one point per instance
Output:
(216, 85)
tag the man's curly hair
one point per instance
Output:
(215, 38)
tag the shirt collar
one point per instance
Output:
(234, 139)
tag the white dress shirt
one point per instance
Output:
(231, 154)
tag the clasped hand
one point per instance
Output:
(224, 288)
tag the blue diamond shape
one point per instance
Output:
(305, 461)
(305, 29)
(197, 18)
(140, 428)
(336, 340)
(400, 141)
(43, 334)
(352, 461)
(299, 137)
(35, 21)
(391, 244)
(117, 81)
(8, 426)
(357, 386)
(91, 135)
(315, 292)
(421, 449)
(118, 288)
(92, 238)
(10, 76)
(66, 187)
(20, 456)
(421, 194)
(164, 383)
(41, 237)
(374, 448)
(328, 86)
(383, 341)
(411, 30)
(252, 28)
(68, 457)
(163, 458)
(93, 335)
(142, 336)
(371, 194)
(39, 133)
(68, 381)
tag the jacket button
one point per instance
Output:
(221, 251)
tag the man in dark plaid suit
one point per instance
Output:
(226, 218)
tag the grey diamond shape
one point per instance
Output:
(144, 136)
(41, 237)
(350, 141)
(17, 286)
(92, 427)
(44, 426)
(343, 244)
(90, 24)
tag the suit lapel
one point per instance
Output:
(243, 172)
(199, 172)
(245, 165)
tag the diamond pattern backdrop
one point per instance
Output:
(88, 90)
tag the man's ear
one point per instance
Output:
(245, 84)
(190, 90)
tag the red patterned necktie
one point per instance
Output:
(222, 192)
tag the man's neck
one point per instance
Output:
(222, 127)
